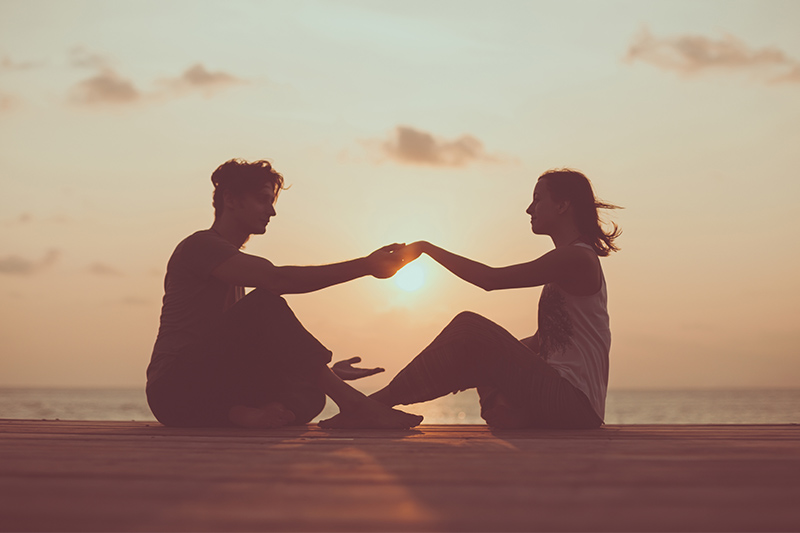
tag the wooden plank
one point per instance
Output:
(138, 476)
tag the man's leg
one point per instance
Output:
(269, 416)
(282, 375)
(263, 357)
(303, 397)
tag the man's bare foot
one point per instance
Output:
(272, 415)
(372, 415)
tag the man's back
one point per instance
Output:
(193, 299)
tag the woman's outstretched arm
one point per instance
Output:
(568, 265)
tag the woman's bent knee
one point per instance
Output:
(469, 320)
(469, 316)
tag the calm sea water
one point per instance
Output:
(742, 406)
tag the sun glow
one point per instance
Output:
(410, 277)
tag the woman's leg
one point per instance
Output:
(473, 351)
(359, 411)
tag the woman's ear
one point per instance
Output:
(563, 207)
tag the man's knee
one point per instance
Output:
(305, 401)
(262, 297)
(257, 306)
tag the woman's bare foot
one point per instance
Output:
(272, 415)
(370, 414)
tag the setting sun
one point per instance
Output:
(410, 277)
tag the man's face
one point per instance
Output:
(254, 210)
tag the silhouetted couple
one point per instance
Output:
(225, 359)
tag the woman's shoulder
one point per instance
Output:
(583, 264)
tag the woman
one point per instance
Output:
(558, 377)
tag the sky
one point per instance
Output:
(393, 122)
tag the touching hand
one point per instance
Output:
(385, 262)
(414, 250)
(347, 372)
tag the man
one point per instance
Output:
(222, 358)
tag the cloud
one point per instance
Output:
(108, 87)
(26, 218)
(695, 54)
(102, 269)
(9, 64)
(80, 57)
(411, 146)
(9, 102)
(134, 301)
(793, 76)
(197, 77)
(20, 220)
(15, 265)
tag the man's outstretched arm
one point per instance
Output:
(252, 271)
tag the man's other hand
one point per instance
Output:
(347, 372)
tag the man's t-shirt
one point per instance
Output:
(194, 300)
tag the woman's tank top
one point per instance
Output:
(575, 338)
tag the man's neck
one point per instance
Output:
(230, 232)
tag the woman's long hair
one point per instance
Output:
(565, 184)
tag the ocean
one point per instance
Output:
(735, 406)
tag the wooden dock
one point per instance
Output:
(139, 476)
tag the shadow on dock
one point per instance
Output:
(136, 476)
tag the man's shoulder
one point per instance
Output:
(203, 237)
(202, 242)
(203, 250)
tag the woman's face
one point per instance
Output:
(543, 210)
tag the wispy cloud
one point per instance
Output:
(80, 57)
(197, 78)
(6, 63)
(102, 269)
(108, 87)
(694, 54)
(134, 301)
(9, 101)
(15, 265)
(26, 218)
(408, 145)
(20, 220)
